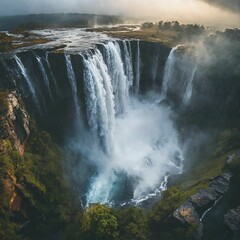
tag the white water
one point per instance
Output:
(155, 66)
(209, 209)
(139, 146)
(28, 80)
(131, 63)
(144, 147)
(50, 71)
(45, 76)
(188, 94)
(100, 99)
(73, 83)
(128, 140)
(120, 84)
(137, 68)
(168, 72)
(128, 62)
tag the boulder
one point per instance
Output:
(220, 184)
(186, 213)
(203, 199)
(232, 220)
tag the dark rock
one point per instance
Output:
(186, 213)
(232, 220)
(203, 199)
(221, 183)
(191, 210)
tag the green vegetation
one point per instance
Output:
(133, 224)
(203, 170)
(38, 180)
(3, 102)
(160, 222)
(99, 223)
(167, 33)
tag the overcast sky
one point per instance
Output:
(219, 12)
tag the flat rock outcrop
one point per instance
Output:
(192, 210)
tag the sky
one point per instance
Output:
(210, 12)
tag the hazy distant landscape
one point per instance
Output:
(33, 21)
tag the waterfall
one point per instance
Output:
(188, 94)
(100, 99)
(125, 141)
(73, 83)
(131, 61)
(128, 62)
(51, 74)
(132, 145)
(168, 72)
(137, 68)
(45, 76)
(120, 84)
(155, 66)
(28, 81)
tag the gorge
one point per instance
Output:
(126, 114)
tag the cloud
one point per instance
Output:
(231, 5)
(197, 11)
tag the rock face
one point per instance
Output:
(193, 210)
(14, 131)
(186, 213)
(15, 124)
(232, 220)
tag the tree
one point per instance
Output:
(160, 25)
(133, 224)
(176, 26)
(167, 25)
(147, 25)
(99, 223)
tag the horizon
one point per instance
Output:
(214, 14)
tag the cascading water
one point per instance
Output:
(119, 80)
(100, 99)
(128, 62)
(45, 76)
(137, 68)
(168, 72)
(139, 146)
(73, 83)
(179, 73)
(51, 74)
(130, 143)
(28, 81)
(188, 94)
(155, 66)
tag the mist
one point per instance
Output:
(145, 151)
(217, 13)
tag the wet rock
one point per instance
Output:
(204, 199)
(220, 184)
(192, 211)
(15, 203)
(186, 213)
(232, 220)
(231, 157)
